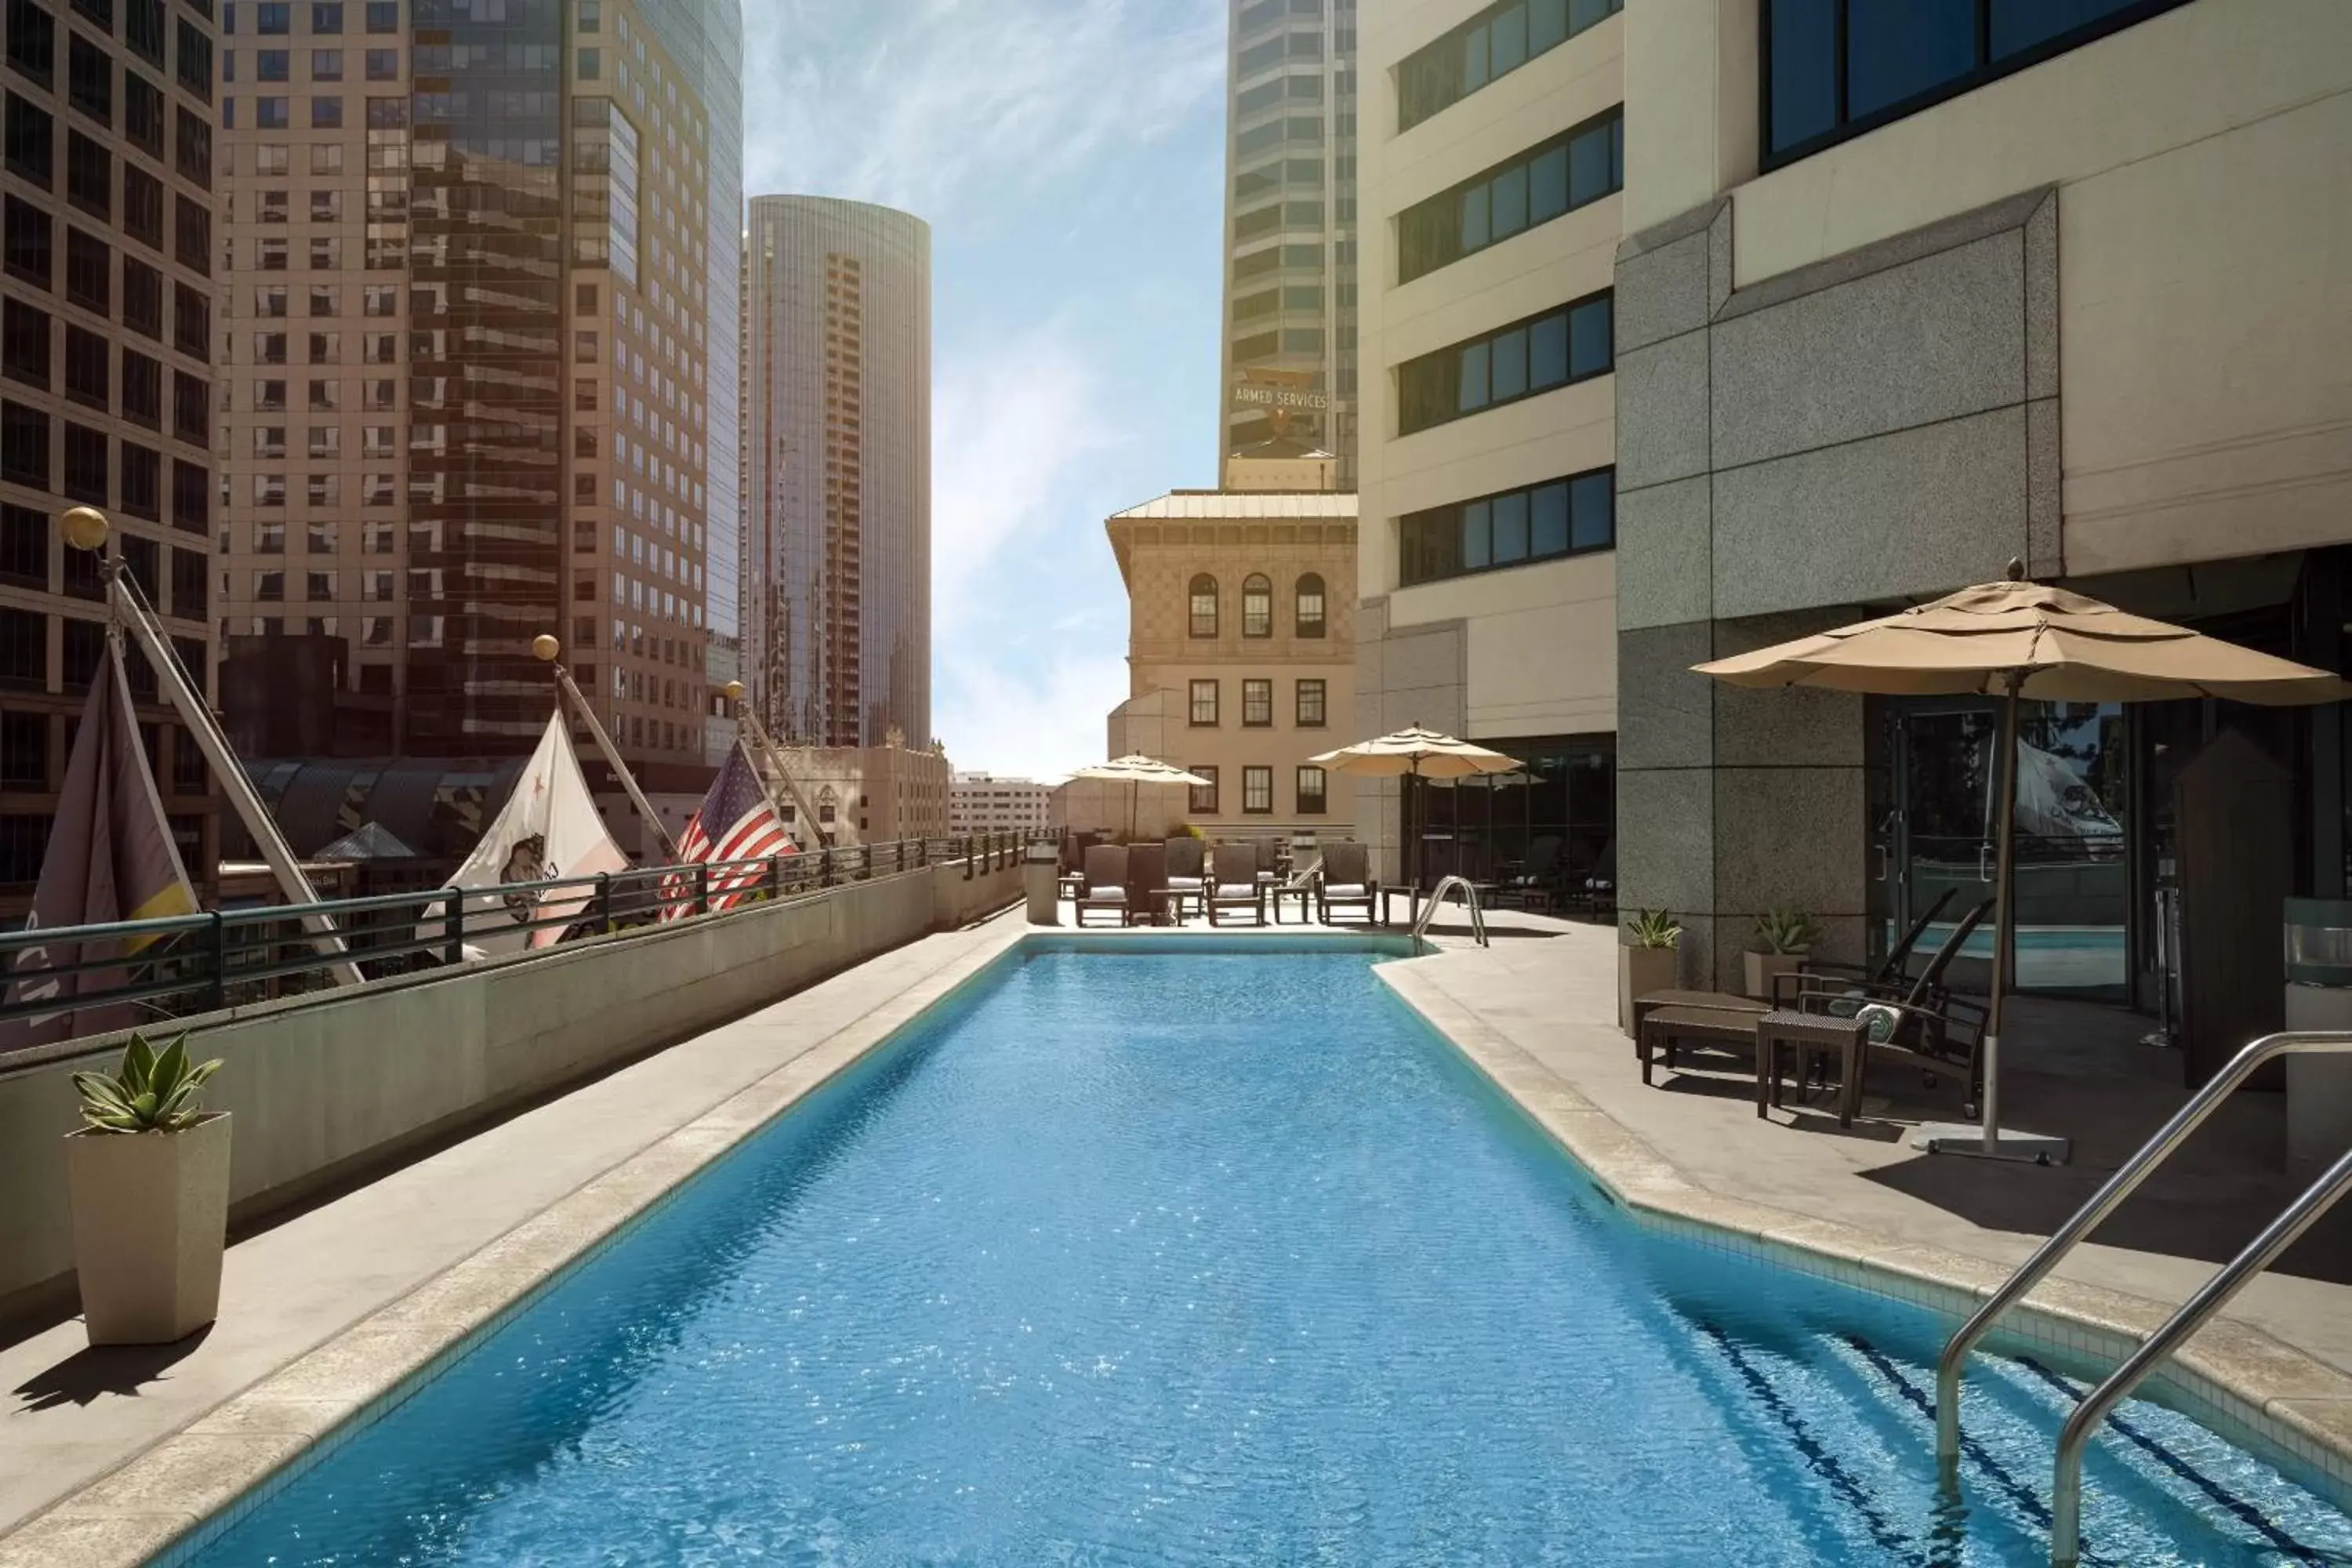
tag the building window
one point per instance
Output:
(1257, 791)
(1201, 800)
(1573, 516)
(1538, 185)
(1204, 596)
(1312, 795)
(1311, 704)
(1835, 68)
(1205, 703)
(1257, 606)
(24, 445)
(1308, 622)
(85, 464)
(1493, 44)
(1257, 704)
(1574, 343)
(32, 41)
(24, 343)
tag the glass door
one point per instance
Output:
(1943, 835)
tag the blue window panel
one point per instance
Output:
(1547, 352)
(1804, 46)
(1472, 392)
(1474, 60)
(270, 65)
(1592, 506)
(1547, 185)
(1510, 363)
(273, 16)
(1546, 25)
(1548, 527)
(1477, 547)
(1592, 339)
(1474, 219)
(1510, 202)
(1583, 13)
(1510, 525)
(269, 113)
(1590, 175)
(2019, 25)
(1895, 49)
(1506, 40)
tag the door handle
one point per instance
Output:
(1984, 862)
(1886, 861)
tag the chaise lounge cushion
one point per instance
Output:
(1346, 890)
(1240, 892)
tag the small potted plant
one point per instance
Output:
(1785, 938)
(1646, 960)
(147, 1176)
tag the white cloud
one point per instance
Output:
(946, 108)
(1038, 722)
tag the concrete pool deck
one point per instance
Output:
(107, 1458)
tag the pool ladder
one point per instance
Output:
(1469, 901)
(2066, 1487)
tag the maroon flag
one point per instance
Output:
(111, 857)
(736, 822)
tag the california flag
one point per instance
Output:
(111, 857)
(549, 828)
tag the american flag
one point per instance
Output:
(735, 823)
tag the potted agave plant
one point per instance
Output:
(147, 1174)
(1646, 960)
(1785, 939)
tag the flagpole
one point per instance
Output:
(745, 719)
(86, 528)
(546, 648)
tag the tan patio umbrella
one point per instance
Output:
(2018, 639)
(1423, 753)
(1137, 770)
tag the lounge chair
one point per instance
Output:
(1347, 881)
(1147, 884)
(1595, 893)
(1819, 971)
(1233, 884)
(1106, 884)
(1531, 880)
(1927, 989)
(1185, 855)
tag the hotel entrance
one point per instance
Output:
(1935, 839)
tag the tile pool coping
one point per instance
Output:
(167, 1501)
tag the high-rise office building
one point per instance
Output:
(837, 470)
(106, 392)
(1287, 389)
(467, 335)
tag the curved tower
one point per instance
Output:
(836, 598)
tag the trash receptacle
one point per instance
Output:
(2318, 996)
(1041, 879)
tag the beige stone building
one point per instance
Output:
(990, 803)
(477, 289)
(1241, 653)
(865, 795)
(1490, 160)
(108, 396)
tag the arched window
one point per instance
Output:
(1257, 606)
(1310, 605)
(1205, 606)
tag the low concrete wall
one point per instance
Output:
(326, 1086)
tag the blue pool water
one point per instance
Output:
(1213, 1257)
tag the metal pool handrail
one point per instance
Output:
(2104, 1202)
(1469, 901)
(2066, 1486)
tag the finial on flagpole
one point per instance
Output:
(85, 527)
(544, 648)
(2016, 570)
(734, 689)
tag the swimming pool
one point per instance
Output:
(1206, 1256)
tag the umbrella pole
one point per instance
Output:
(1986, 1141)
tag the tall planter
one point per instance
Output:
(1640, 971)
(150, 1223)
(1763, 966)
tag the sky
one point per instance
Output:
(1067, 155)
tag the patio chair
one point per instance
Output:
(1888, 969)
(1147, 884)
(1595, 895)
(1233, 884)
(1106, 884)
(1927, 989)
(1347, 881)
(1185, 857)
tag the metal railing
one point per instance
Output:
(2066, 1491)
(1469, 901)
(231, 957)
